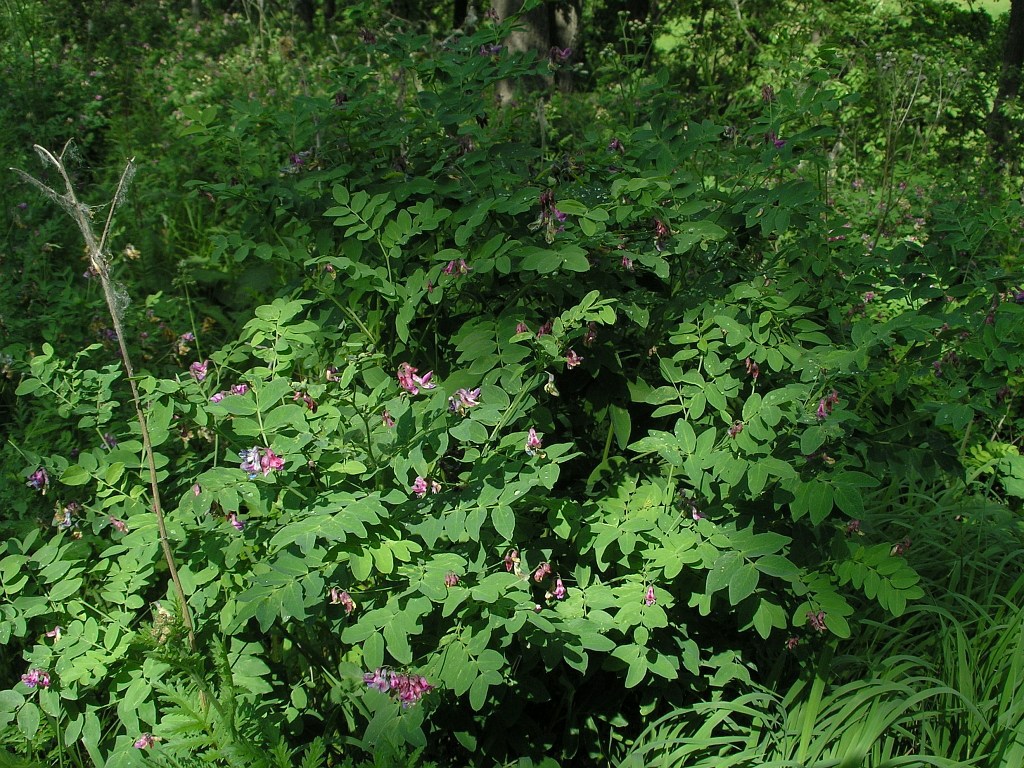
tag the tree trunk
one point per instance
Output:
(552, 24)
(1009, 79)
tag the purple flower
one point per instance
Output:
(198, 370)
(542, 571)
(270, 461)
(218, 397)
(616, 146)
(379, 679)
(407, 689)
(511, 560)
(591, 335)
(792, 643)
(238, 389)
(22, 206)
(559, 592)
(250, 461)
(145, 741)
(572, 359)
(627, 263)
(387, 418)
(451, 579)
(456, 267)
(187, 336)
(463, 400)
(522, 327)
(36, 678)
(752, 368)
(767, 94)
(817, 620)
(237, 524)
(197, 489)
(412, 383)
(559, 55)
(419, 487)
(305, 398)
(55, 633)
(342, 598)
(533, 443)
(735, 429)
(490, 50)
(853, 527)
(649, 598)
(109, 440)
(118, 524)
(39, 480)
(544, 330)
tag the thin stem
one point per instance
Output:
(77, 211)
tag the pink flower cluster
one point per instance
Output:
(463, 400)
(817, 620)
(237, 389)
(342, 598)
(256, 460)
(39, 480)
(198, 370)
(411, 382)
(420, 487)
(826, 404)
(407, 689)
(533, 443)
(36, 678)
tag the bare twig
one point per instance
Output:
(81, 215)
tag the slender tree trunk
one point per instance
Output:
(1009, 79)
(550, 25)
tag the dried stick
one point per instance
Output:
(82, 215)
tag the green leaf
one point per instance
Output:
(373, 651)
(28, 720)
(504, 520)
(742, 583)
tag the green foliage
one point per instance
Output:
(690, 397)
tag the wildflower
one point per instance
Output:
(767, 94)
(305, 398)
(544, 330)
(825, 405)
(145, 741)
(572, 359)
(900, 548)
(411, 382)
(331, 373)
(343, 598)
(198, 370)
(869, 296)
(463, 400)
(435, 487)
(367, 36)
(109, 440)
(419, 487)
(238, 389)
(237, 524)
(39, 480)
(559, 592)
(816, 620)
(270, 461)
(533, 443)
(559, 55)
(550, 387)
(186, 337)
(512, 560)
(792, 643)
(752, 368)
(853, 527)
(23, 206)
(36, 678)
(775, 140)
(55, 633)
(616, 146)
(542, 571)
(407, 689)
(661, 233)
(250, 461)
(119, 525)
(591, 335)
(197, 489)
(735, 429)
(649, 598)
(218, 397)
(627, 263)
(456, 267)
(490, 50)
(522, 327)
(695, 513)
(379, 679)
(387, 418)
(451, 579)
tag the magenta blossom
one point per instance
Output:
(388, 419)
(419, 487)
(463, 400)
(627, 263)
(119, 525)
(816, 620)
(36, 678)
(616, 146)
(543, 570)
(457, 267)
(342, 598)
(451, 579)
(591, 335)
(237, 524)
(649, 598)
(572, 359)
(411, 382)
(145, 741)
(533, 443)
(198, 370)
(55, 633)
(735, 429)
(512, 560)
(197, 489)
(559, 593)
(39, 480)
(407, 689)
(522, 327)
